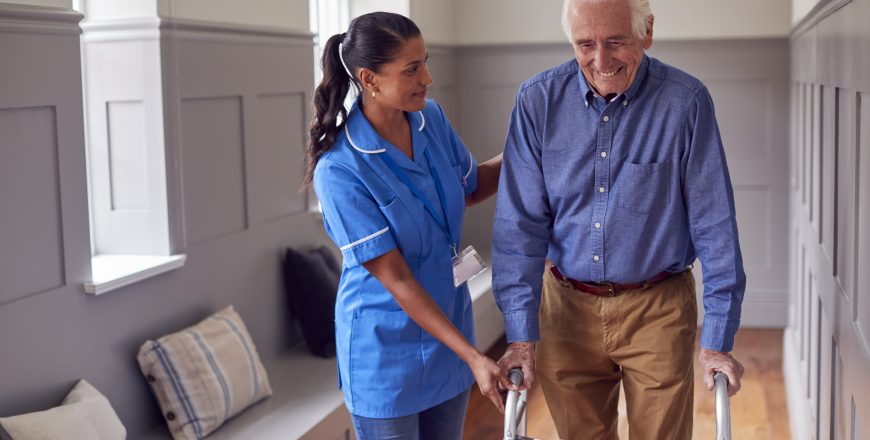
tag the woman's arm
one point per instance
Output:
(393, 272)
(487, 181)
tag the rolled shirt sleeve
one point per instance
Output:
(352, 217)
(521, 230)
(709, 200)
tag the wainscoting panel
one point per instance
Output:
(31, 236)
(826, 347)
(213, 167)
(443, 66)
(276, 172)
(128, 155)
(845, 192)
(861, 298)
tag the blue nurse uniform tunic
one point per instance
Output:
(388, 366)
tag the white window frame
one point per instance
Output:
(124, 138)
(327, 18)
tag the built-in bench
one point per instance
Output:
(306, 403)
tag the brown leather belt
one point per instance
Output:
(611, 289)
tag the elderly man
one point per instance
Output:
(614, 174)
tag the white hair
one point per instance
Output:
(640, 16)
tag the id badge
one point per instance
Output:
(467, 265)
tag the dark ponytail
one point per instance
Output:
(371, 41)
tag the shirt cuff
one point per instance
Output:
(718, 335)
(522, 326)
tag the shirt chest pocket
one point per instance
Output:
(404, 228)
(643, 187)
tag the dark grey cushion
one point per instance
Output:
(311, 281)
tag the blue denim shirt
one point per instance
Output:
(615, 191)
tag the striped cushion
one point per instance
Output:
(204, 374)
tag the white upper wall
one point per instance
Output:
(800, 9)
(107, 9)
(286, 14)
(436, 19)
(54, 3)
(360, 7)
(523, 21)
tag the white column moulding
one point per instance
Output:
(123, 87)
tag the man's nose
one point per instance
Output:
(602, 58)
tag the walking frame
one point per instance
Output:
(516, 405)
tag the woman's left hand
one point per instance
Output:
(490, 379)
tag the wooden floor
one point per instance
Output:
(758, 412)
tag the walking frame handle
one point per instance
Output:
(515, 408)
(723, 407)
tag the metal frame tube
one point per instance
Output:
(723, 407)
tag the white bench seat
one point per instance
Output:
(306, 404)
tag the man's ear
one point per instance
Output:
(647, 41)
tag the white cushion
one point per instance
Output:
(84, 414)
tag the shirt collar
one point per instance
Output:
(589, 94)
(363, 137)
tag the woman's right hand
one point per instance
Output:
(490, 379)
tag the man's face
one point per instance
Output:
(605, 46)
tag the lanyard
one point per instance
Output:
(441, 221)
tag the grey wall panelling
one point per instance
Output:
(250, 84)
(749, 83)
(827, 343)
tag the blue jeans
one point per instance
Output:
(441, 422)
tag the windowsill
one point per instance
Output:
(110, 272)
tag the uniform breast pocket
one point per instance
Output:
(642, 187)
(385, 351)
(404, 228)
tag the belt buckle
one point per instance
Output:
(611, 289)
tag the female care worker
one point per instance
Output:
(393, 179)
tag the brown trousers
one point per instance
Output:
(645, 338)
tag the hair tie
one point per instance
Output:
(341, 56)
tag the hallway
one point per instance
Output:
(758, 412)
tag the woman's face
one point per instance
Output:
(401, 84)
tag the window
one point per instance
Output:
(122, 83)
(328, 17)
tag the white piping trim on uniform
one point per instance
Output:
(422, 121)
(364, 239)
(470, 165)
(353, 144)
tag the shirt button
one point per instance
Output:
(595, 258)
(606, 118)
(603, 154)
(597, 225)
(601, 189)
(625, 103)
